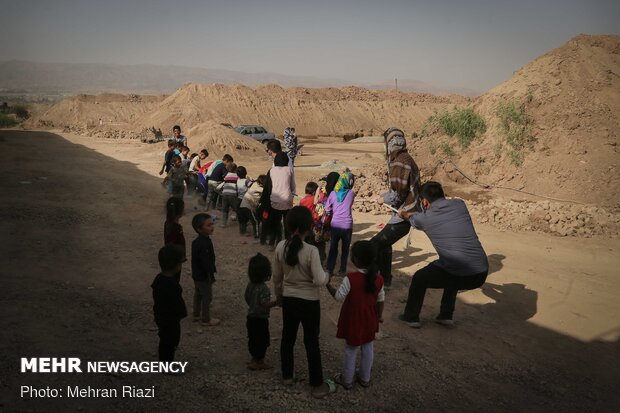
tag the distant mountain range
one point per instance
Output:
(64, 78)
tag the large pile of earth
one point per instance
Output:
(90, 111)
(219, 140)
(572, 94)
(328, 111)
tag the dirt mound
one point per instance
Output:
(328, 111)
(569, 99)
(96, 114)
(219, 140)
(572, 95)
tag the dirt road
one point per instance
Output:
(82, 221)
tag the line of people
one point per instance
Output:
(301, 268)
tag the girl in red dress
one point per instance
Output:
(360, 315)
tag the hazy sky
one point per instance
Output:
(470, 44)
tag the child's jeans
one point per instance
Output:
(213, 194)
(228, 202)
(350, 354)
(203, 295)
(169, 337)
(339, 234)
(273, 225)
(245, 215)
(258, 336)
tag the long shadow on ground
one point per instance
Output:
(80, 233)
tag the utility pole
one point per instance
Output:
(396, 84)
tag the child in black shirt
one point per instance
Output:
(203, 269)
(169, 307)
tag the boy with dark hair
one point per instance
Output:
(308, 200)
(247, 208)
(258, 298)
(274, 147)
(176, 132)
(229, 192)
(175, 180)
(203, 269)
(185, 155)
(168, 157)
(462, 263)
(216, 178)
(168, 305)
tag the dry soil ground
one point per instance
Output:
(81, 225)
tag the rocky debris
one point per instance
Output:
(332, 164)
(557, 218)
(107, 133)
(157, 136)
(368, 139)
(352, 136)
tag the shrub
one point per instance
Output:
(20, 111)
(516, 129)
(7, 121)
(447, 149)
(464, 123)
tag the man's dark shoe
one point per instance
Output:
(409, 322)
(444, 321)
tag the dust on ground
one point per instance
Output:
(83, 220)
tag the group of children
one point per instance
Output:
(222, 184)
(300, 266)
(324, 214)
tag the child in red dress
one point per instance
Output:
(360, 315)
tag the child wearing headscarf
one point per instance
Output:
(339, 204)
(321, 219)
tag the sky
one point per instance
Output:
(474, 44)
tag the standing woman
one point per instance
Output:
(277, 198)
(290, 143)
(404, 184)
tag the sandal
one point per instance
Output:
(324, 389)
(339, 380)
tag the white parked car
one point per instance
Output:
(255, 132)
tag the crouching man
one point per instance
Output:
(462, 263)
